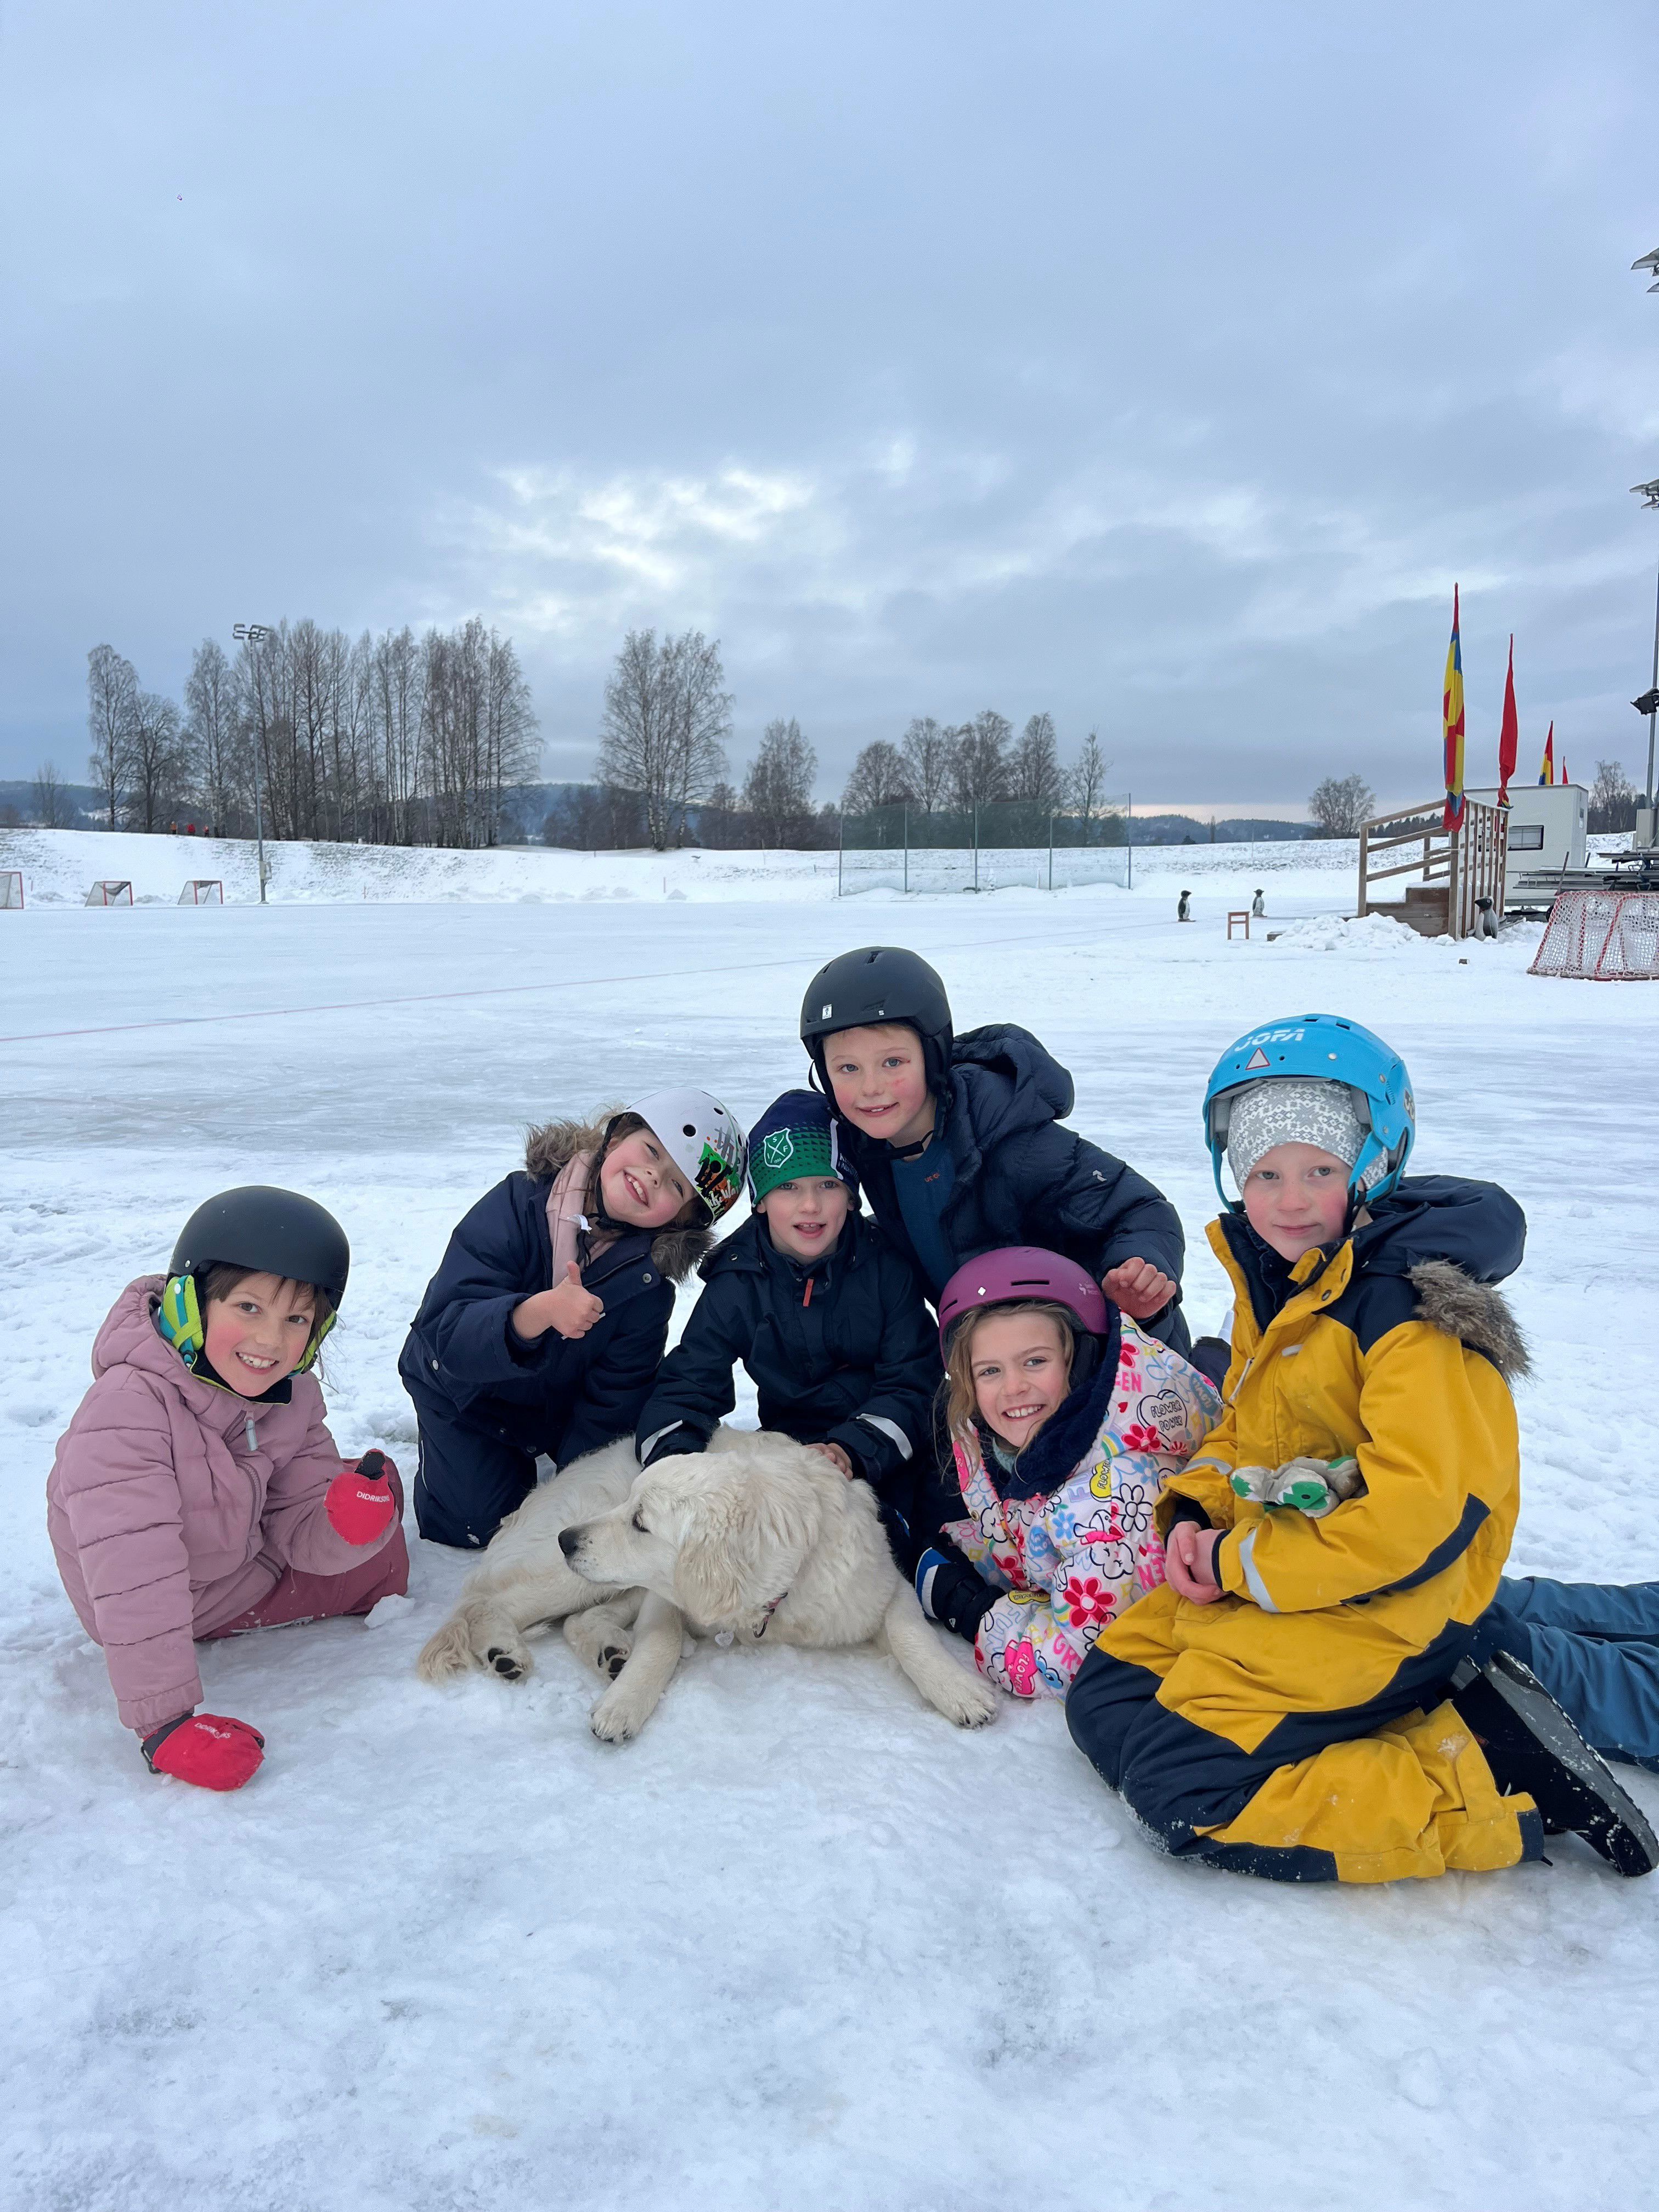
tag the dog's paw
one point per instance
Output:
(970, 1703)
(616, 1718)
(600, 1641)
(512, 1667)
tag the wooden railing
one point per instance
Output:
(1468, 862)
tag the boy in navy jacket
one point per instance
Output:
(825, 1315)
(958, 1142)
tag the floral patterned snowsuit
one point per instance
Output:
(1070, 1560)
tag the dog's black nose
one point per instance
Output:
(568, 1540)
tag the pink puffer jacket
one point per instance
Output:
(173, 1505)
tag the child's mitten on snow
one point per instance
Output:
(207, 1749)
(360, 1503)
(1313, 1486)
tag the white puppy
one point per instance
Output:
(757, 1537)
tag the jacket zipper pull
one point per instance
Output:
(806, 1295)
(253, 1440)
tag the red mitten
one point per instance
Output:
(360, 1501)
(205, 1748)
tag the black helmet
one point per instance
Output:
(881, 984)
(275, 1232)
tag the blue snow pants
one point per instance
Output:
(1595, 1646)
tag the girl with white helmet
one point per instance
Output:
(541, 1331)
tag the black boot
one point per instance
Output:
(1531, 1745)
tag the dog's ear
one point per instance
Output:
(744, 1543)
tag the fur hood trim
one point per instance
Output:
(1476, 1314)
(674, 1251)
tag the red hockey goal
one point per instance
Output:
(1605, 936)
(11, 887)
(111, 891)
(203, 890)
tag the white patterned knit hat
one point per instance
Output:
(1291, 1110)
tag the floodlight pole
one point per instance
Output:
(1648, 495)
(253, 634)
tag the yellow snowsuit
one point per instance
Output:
(1296, 1727)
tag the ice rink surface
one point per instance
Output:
(803, 1943)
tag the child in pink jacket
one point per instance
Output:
(197, 1493)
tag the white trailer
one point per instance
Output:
(1549, 823)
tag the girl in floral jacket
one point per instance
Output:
(1064, 1419)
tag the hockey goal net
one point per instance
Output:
(11, 887)
(203, 890)
(110, 890)
(1606, 936)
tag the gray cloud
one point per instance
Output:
(1162, 372)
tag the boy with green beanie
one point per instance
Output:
(827, 1318)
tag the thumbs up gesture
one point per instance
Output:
(569, 1308)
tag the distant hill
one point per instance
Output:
(1234, 830)
(17, 795)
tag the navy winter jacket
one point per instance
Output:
(842, 1349)
(559, 1395)
(1020, 1178)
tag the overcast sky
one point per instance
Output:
(1158, 367)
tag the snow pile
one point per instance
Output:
(1372, 936)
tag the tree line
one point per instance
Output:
(397, 739)
(662, 774)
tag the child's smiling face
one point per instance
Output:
(259, 1332)
(639, 1183)
(1020, 1373)
(806, 1218)
(880, 1081)
(1296, 1197)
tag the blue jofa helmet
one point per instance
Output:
(1322, 1049)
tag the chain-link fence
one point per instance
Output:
(988, 848)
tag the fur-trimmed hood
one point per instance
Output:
(551, 1144)
(1476, 1314)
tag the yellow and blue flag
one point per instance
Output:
(1451, 716)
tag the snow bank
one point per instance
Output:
(60, 866)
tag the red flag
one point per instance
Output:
(1508, 736)
(1566, 778)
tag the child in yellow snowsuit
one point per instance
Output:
(1280, 1706)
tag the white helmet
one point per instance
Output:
(703, 1141)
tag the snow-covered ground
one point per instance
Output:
(802, 1943)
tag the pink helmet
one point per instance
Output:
(1018, 1273)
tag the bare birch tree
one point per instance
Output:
(1085, 786)
(881, 777)
(929, 750)
(53, 807)
(777, 790)
(1340, 805)
(980, 766)
(667, 715)
(1033, 771)
(156, 778)
(213, 740)
(112, 698)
